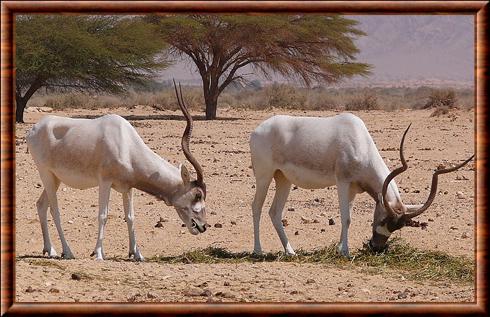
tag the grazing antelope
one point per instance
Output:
(321, 152)
(108, 152)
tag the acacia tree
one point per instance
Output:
(311, 48)
(99, 53)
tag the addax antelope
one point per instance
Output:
(108, 152)
(321, 152)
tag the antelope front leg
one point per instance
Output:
(129, 213)
(346, 197)
(104, 193)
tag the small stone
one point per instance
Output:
(317, 200)
(416, 191)
(183, 225)
(76, 276)
(331, 222)
(206, 292)
(226, 283)
(295, 187)
(233, 222)
(430, 220)
(193, 292)
(464, 235)
(29, 290)
(218, 225)
(322, 230)
(38, 185)
(305, 220)
(460, 195)
(296, 233)
(453, 228)
(316, 221)
(310, 281)
(159, 225)
(285, 223)
(291, 209)
(70, 221)
(423, 225)
(151, 295)
(54, 290)
(213, 212)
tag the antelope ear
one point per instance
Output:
(184, 173)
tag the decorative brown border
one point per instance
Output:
(8, 8)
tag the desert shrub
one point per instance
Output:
(284, 96)
(367, 101)
(441, 98)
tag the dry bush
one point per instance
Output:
(441, 98)
(367, 101)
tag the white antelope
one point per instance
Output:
(108, 152)
(321, 152)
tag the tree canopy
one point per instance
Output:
(310, 48)
(82, 52)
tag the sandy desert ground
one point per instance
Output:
(222, 148)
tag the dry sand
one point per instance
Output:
(222, 148)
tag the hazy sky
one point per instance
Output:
(400, 47)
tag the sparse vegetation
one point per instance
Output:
(399, 257)
(442, 98)
(260, 98)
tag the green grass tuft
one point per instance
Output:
(399, 258)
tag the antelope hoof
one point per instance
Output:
(67, 256)
(51, 252)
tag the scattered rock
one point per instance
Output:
(315, 221)
(226, 283)
(322, 230)
(453, 228)
(183, 225)
(70, 221)
(430, 220)
(38, 185)
(225, 295)
(151, 295)
(218, 225)
(54, 290)
(29, 290)
(317, 200)
(331, 222)
(193, 292)
(310, 281)
(291, 209)
(233, 222)
(213, 212)
(285, 223)
(305, 220)
(76, 276)
(296, 233)
(460, 195)
(159, 225)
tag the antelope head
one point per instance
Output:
(189, 201)
(393, 215)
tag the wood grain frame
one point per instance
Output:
(479, 9)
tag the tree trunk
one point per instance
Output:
(19, 110)
(211, 107)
